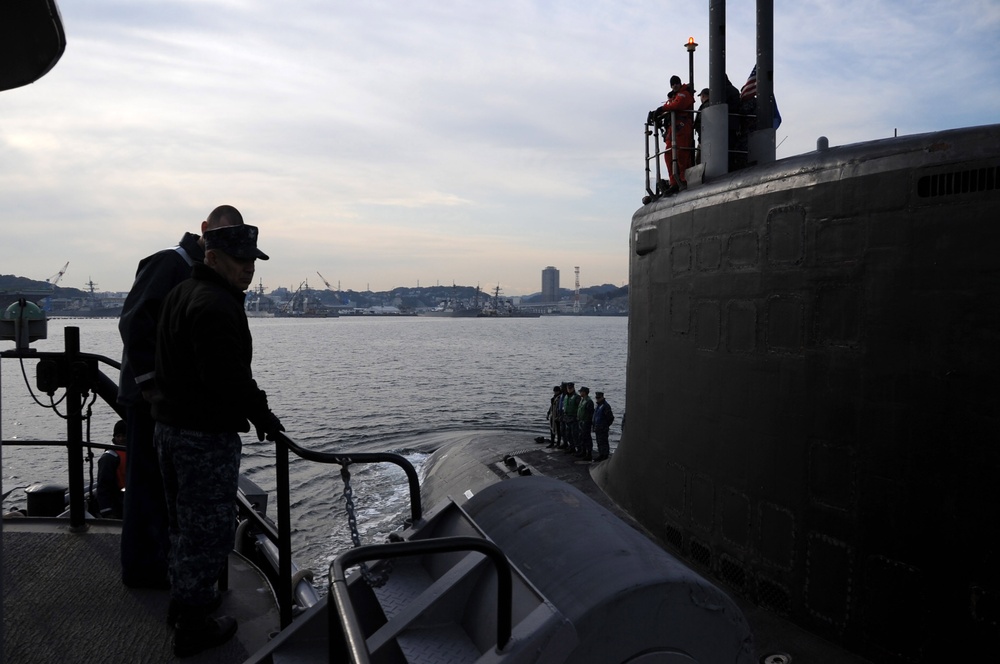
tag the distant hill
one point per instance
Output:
(601, 292)
(12, 287)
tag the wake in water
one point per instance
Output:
(380, 493)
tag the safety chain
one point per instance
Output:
(90, 450)
(371, 578)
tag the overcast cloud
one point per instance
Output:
(386, 143)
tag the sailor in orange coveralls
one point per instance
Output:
(681, 101)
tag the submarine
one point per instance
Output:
(813, 346)
(808, 469)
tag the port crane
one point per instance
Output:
(328, 286)
(50, 286)
(52, 281)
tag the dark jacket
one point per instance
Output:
(203, 355)
(155, 277)
(603, 417)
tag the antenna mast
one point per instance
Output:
(576, 293)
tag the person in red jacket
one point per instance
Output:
(682, 102)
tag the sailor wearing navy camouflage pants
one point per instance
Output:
(200, 471)
(206, 395)
(145, 537)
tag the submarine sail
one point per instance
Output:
(813, 351)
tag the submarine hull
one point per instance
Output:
(813, 351)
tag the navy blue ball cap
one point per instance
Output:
(237, 241)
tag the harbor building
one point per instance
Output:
(550, 284)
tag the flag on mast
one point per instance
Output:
(749, 90)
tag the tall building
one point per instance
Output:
(550, 284)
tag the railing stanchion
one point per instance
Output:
(285, 534)
(674, 169)
(74, 427)
(656, 158)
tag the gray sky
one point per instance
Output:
(385, 143)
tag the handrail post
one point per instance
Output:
(674, 169)
(659, 171)
(649, 129)
(74, 428)
(284, 535)
(656, 158)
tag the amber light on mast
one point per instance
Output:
(691, 45)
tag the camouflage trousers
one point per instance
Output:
(200, 472)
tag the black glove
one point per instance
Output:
(651, 118)
(268, 426)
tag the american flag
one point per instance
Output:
(750, 90)
(750, 87)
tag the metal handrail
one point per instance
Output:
(284, 541)
(650, 129)
(61, 443)
(412, 478)
(356, 642)
(78, 373)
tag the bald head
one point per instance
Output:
(224, 215)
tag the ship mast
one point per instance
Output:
(715, 118)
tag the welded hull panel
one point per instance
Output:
(813, 350)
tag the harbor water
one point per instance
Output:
(363, 384)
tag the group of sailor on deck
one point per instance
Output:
(572, 417)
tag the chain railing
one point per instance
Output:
(283, 444)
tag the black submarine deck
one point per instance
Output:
(64, 601)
